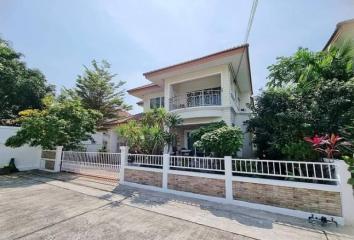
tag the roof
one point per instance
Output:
(197, 61)
(150, 85)
(335, 33)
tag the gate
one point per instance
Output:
(98, 164)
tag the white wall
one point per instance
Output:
(26, 157)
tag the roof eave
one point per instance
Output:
(196, 61)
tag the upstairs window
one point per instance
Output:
(158, 102)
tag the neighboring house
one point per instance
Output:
(344, 32)
(208, 89)
(106, 139)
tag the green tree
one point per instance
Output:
(20, 87)
(223, 141)
(64, 123)
(308, 93)
(97, 90)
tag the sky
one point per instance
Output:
(59, 37)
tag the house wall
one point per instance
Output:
(26, 157)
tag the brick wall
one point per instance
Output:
(199, 185)
(317, 201)
(143, 177)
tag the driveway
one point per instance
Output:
(37, 205)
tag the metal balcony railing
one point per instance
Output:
(196, 99)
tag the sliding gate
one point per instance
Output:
(98, 164)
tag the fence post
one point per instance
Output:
(124, 150)
(58, 153)
(228, 178)
(346, 192)
(165, 168)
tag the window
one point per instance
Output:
(158, 102)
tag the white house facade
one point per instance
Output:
(216, 87)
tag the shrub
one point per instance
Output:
(299, 151)
(224, 141)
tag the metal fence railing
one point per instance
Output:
(196, 99)
(100, 160)
(197, 163)
(145, 160)
(285, 169)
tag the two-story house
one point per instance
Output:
(344, 32)
(208, 89)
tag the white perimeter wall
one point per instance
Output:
(26, 157)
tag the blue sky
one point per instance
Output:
(60, 36)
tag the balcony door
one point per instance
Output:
(205, 97)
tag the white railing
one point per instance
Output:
(286, 169)
(197, 163)
(196, 99)
(99, 160)
(144, 159)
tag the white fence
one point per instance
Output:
(197, 163)
(145, 160)
(98, 164)
(286, 169)
(227, 180)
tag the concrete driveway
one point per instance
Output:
(37, 205)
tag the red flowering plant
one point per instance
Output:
(328, 144)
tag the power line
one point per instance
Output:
(250, 20)
(249, 26)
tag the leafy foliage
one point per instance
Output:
(328, 145)
(96, 90)
(197, 134)
(223, 141)
(308, 93)
(299, 151)
(152, 133)
(64, 123)
(20, 87)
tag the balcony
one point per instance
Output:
(200, 98)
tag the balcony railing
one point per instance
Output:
(196, 99)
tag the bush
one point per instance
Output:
(224, 141)
(299, 151)
(197, 134)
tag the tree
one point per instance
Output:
(223, 141)
(152, 133)
(96, 90)
(308, 93)
(20, 87)
(64, 123)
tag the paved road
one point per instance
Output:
(67, 206)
